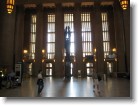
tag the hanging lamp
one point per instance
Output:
(124, 4)
(10, 6)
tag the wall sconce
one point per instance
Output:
(23, 60)
(25, 55)
(124, 4)
(10, 6)
(63, 60)
(114, 49)
(95, 50)
(25, 51)
(43, 51)
(74, 60)
(42, 60)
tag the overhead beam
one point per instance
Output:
(19, 2)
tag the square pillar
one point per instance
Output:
(59, 42)
(98, 38)
(19, 34)
(78, 42)
(39, 40)
(120, 40)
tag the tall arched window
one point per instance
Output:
(50, 36)
(86, 34)
(105, 32)
(32, 37)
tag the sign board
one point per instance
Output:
(18, 69)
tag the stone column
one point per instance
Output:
(111, 27)
(27, 28)
(93, 38)
(126, 20)
(59, 42)
(112, 37)
(98, 38)
(7, 36)
(78, 42)
(119, 33)
(39, 40)
(19, 34)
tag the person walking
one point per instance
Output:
(0, 80)
(95, 81)
(11, 78)
(40, 82)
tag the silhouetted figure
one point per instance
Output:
(0, 80)
(95, 81)
(40, 82)
(67, 35)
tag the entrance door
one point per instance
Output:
(109, 68)
(89, 68)
(71, 70)
(49, 69)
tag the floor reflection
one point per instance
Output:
(75, 87)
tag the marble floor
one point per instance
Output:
(75, 87)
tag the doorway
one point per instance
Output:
(109, 68)
(89, 68)
(49, 69)
(71, 69)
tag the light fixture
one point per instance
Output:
(10, 6)
(95, 50)
(63, 60)
(23, 60)
(114, 49)
(43, 51)
(124, 4)
(42, 60)
(25, 55)
(25, 51)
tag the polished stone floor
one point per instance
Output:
(75, 87)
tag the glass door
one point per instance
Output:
(49, 69)
(89, 69)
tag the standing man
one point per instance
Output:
(0, 80)
(95, 81)
(40, 82)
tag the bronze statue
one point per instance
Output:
(67, 35)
